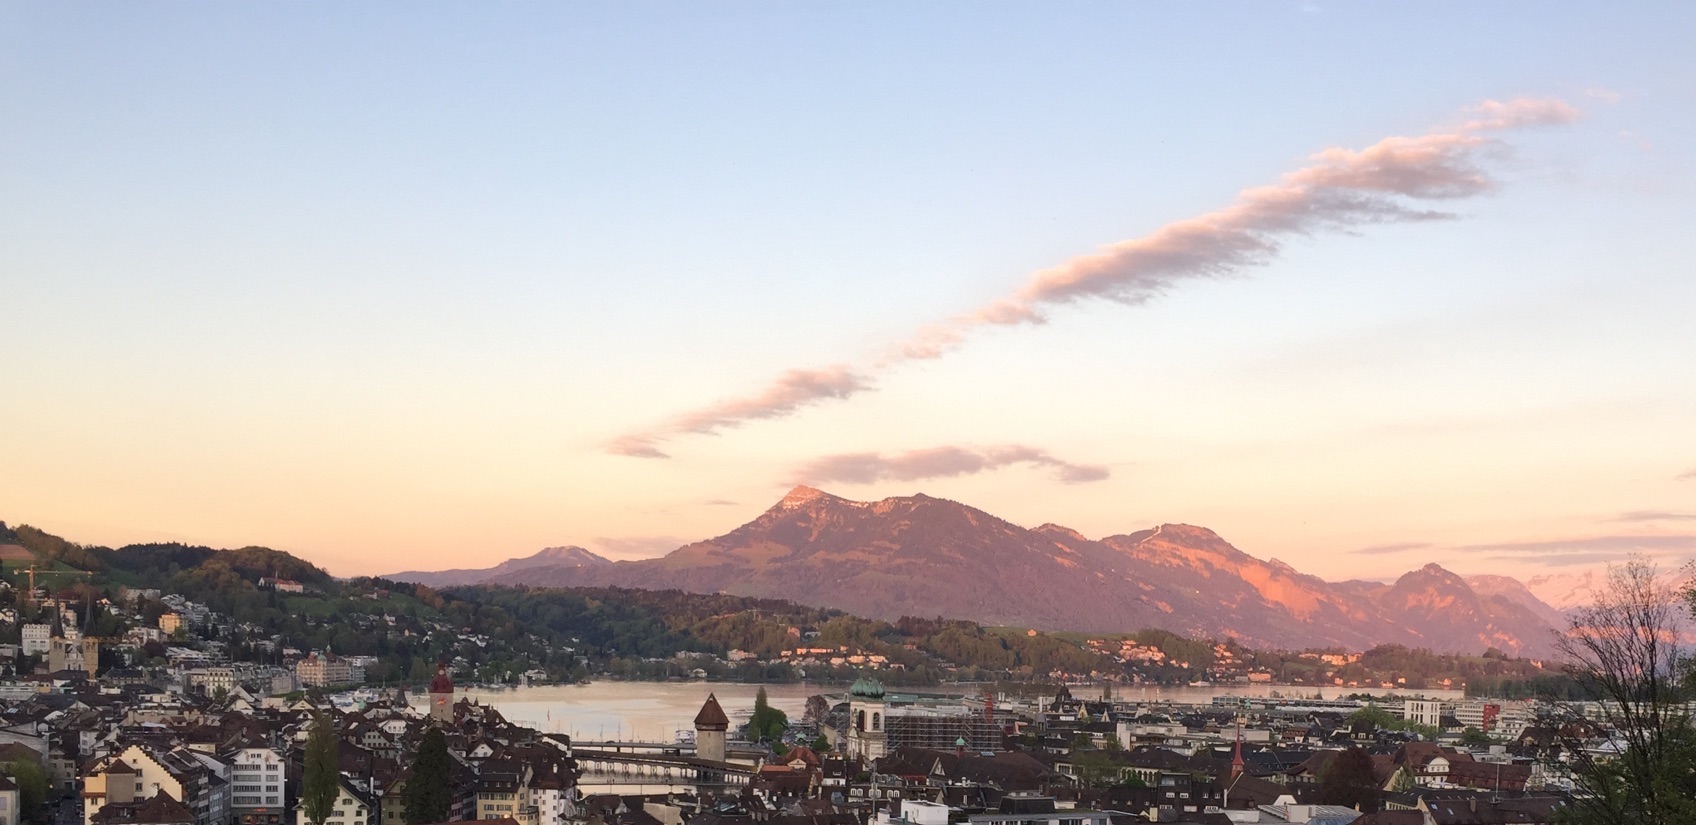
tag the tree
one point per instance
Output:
(32, 788)
(1377, 717)
(817, 709)
(426, 795)
(1474, 738)
(1625, 650)
(1349, 780)
(1096, 768)
(320, 782)
(767, 723)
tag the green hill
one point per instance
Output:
(498, 632)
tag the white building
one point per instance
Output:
(257, 779)
(1476, 713)
(1423, 712)
(352, 807)
(35, 638)
(8, 802)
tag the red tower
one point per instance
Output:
(441, 695)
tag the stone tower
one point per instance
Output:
(866, 735)
(441, 695)
(710, 725)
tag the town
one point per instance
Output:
(197, 738)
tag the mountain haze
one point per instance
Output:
(924, 556)
(552, 558)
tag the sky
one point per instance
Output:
(1360, 286)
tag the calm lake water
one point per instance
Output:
(636, 711)
(656, 711)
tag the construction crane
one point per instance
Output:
(32, 571)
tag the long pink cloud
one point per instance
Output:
(1396, 180)
(939, 462)
(1387, 182)
(790, 392)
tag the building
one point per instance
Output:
(64, 654)
(8, 802)
(503, 792)
(441, 695)
(159, 809)
(139, 773)
(35, 638)
(353, 807)
(281, 585)
(1478, 714)
(710, 727)
(866, 738)
(325, 669)
(879, 724)
(258, 777)
(1423, 712)
(170, 622)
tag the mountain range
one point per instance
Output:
(924, 556)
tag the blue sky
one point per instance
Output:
(378, 284)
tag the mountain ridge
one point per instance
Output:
(564, 556)
(915, 555)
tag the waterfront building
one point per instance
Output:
(710, 727)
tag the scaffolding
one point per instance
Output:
(942, 729)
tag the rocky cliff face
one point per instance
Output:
(924, 556)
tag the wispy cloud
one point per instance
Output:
(1568, 560)
(1654, 515)
(1393, 181)
(1604, 94)
(1386, 549)
(720, 502)
(1687, 476)
(1587, 549)
(791, 391)
(1610, 544)
(1340, 189)
(939, 462)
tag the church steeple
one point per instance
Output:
(1237, 758)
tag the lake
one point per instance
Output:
(656, 711)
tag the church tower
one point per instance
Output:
(710, 725)
(867, 737)
(441, 695)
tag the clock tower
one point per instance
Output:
(441, 695)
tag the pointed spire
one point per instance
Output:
(1237, 758)
(711, 716)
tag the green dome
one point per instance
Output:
(866, 688)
